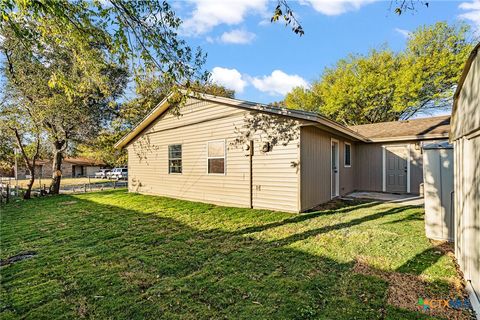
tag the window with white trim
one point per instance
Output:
(175, 158)
(216, 157)
(347, 155)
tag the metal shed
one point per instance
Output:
(438, 188)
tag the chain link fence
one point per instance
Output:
(11, 189)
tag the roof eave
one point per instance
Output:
(163, 106)
(296, 114)
(410, 138)
(144, 123)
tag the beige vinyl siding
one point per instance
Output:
(200, 122)
(369, 173)
(466, 140)
(347, 174)
(368, 177)
(315, 167)
(276, 177)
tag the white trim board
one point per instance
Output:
(344, 154)
(337, 175)
(224, 157)
(384, 177)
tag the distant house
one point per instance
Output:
(71, 167)
(465, 135)
(244, 154)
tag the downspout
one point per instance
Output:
(250, 157)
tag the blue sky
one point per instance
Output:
(262, 61)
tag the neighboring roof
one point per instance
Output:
(79, 161)
(82, 161)
(415, 129)
(296, 114)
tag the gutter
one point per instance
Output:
(409, 138)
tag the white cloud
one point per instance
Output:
(229, 78)
(335, 7)
(211, 13)
(237, 36)
(403, 32)
(472, 14)
(278, 82)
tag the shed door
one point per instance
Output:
(396, 169)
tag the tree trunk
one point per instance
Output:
(30, 166)
(57, 169)
(28, 192)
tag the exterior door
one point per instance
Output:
(335, 175)
(396, 169)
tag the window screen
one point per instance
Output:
(175, 158)
(216, 157)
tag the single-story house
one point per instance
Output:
(239, 153)
(71, 168)
(465, 135)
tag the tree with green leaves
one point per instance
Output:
(7, 153)
(388, 86)
(64, 96)
(139, 35)
(20, 130)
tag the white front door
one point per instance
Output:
(335, 174)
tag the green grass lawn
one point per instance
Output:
(114, 255)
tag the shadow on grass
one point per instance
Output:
(343, 225)
(306, 216)
(411, 217)
(106, 261)
(423, 260)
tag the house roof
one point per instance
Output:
(296, 114)
(415, 129)
(79, 161)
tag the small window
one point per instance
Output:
(348, 154)
(175, 158)
(216, 157)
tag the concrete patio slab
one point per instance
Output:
(404, 199)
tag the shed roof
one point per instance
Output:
(414, 129)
